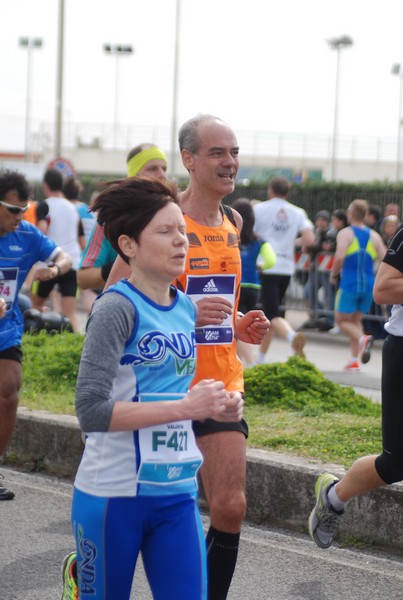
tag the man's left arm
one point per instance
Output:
(252, 327)
(60, 264)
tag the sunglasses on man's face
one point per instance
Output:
(15, 210)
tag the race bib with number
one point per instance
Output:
(169, 453)
(8, 285)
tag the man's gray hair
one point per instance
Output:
(188, 133)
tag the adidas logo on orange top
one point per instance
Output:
(210, 286)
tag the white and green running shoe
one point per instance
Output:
(323, 519)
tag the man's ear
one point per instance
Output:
(127, 245)
(187, 159)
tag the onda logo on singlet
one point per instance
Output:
(154, 346)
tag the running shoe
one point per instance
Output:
(365, 348)
(323, 519)
(298, 344)
(5, 494)
(69, 575)
(352, 366)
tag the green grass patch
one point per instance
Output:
(290, 407)
(50, 370)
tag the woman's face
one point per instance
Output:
(162, 247)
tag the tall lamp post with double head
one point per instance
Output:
(117, 50)
(344, 41)
(397, 70)
(30, 44)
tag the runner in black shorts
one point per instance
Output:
(66, 284)
(371, 472)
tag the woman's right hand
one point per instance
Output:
(206, 400)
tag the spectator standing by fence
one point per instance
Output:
(389, 228)
(373, 218)
(358, 248)
(318, 279)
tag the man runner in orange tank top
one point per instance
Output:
(212, 277)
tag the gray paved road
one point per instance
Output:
(273, 565)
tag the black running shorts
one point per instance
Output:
(12, 353)
(210, 426)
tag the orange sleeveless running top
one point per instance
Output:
(213, 268)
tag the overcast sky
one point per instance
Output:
(258, 64)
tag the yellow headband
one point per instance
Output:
(137, 162)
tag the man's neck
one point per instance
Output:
(53, 194)
(201, 208)
(356, 223)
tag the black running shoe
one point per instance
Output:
(5, 494)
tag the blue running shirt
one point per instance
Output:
(19, 251)
(157, 363)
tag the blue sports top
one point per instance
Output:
(249, 254)
(157, 363)
(19, 251)
(357, 275)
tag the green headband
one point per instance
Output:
(137, 162)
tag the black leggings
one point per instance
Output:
(389, 464)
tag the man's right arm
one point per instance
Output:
(307, 238)
(95, 262)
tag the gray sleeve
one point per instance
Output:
(109, 327)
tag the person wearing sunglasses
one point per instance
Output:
(21, 246)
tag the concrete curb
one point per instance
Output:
(279, 487)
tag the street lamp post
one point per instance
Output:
(30, 44)
(397, 70)
(175, 88)
(59, 85)
(117, 50)
(337, 44)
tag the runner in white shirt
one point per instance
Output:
(280, 223)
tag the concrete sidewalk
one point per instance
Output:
(279, 487)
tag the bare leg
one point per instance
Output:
(351, 325)
(362, 477)
(246, 352)
(223, 474)
(10, 384)
(68, 306)
(37, 302)
(281, 327)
